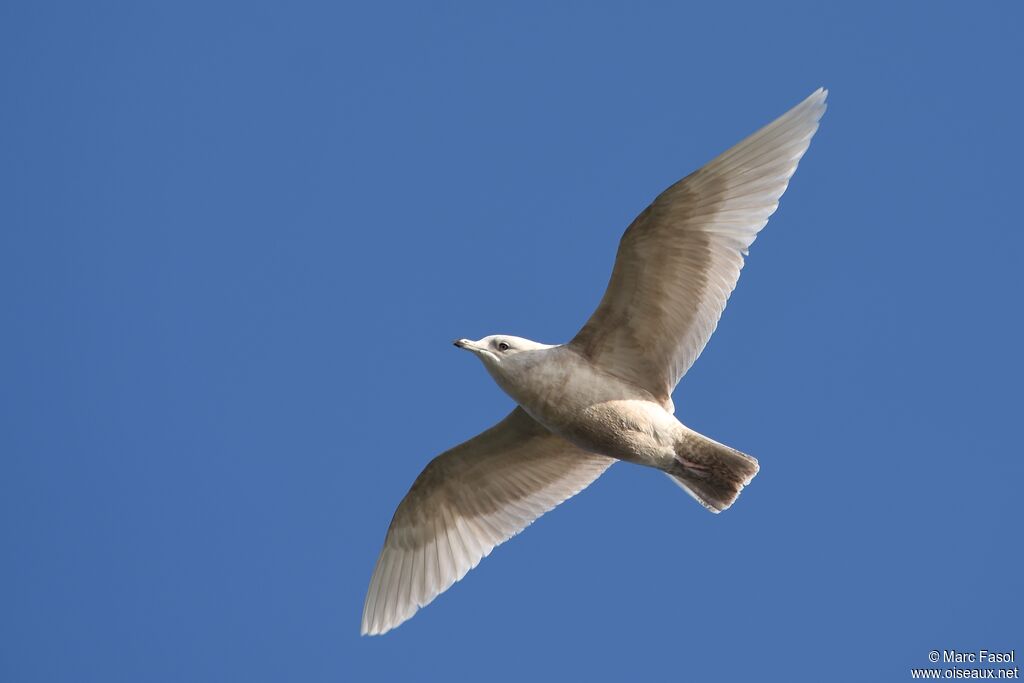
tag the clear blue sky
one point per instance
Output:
(236, 242)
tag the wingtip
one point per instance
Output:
(371, 630)
(371, 626)
(815, 102)
(820, 96)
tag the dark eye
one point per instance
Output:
(503, 346)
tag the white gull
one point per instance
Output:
(606, 395)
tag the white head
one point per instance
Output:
(501, 354)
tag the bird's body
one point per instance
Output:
(587, 406)
(606, 395)
(599, 412)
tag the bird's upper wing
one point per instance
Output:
(468, 500)
(680, 259)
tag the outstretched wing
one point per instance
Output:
(467, 501)
(679, 261)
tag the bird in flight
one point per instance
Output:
(607, 394)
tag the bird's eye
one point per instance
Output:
(503, 346)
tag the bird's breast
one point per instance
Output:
(593, 409)
(560, 385)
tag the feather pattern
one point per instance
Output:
(679, 261)
(465, 502)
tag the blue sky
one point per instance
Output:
(236, 241)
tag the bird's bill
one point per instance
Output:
(472, 347)
(468, 344)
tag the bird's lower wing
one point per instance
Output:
(680, 259)
(467, 501)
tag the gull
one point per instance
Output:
(607, 394)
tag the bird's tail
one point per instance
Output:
(712, 473)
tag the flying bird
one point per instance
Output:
(607, 394)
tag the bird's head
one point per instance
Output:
(500, 353)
